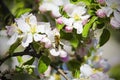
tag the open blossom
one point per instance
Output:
(88, 73)
(77, 16)
(29, 29)
(112, 6)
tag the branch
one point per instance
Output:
(33, 54)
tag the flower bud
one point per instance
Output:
(101, 1)
(100, 13)
(59, 20)
(68, 29)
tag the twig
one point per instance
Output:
(60, 71)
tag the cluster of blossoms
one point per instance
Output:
(65, 42)
(29, 30)
(110, 8)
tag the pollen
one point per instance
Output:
(33, 29)
(76, 17)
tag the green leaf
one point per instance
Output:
(94, 26)
(74, 42)
(20, 60)
(104, 37)
(29, 62)
(59, 26)
(74, 66)
(36, 46)
(21, 11)
(14, 46)
(88, 26)
(43, 64)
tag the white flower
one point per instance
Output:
(86, 70)
(112, 6)
(51, 5)
(77, 16)
(28, 29)
(115, 20)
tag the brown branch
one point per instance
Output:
(33, 54)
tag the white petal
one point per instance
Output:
(68, 22)
(78, 26)
(117, 16)
(86, 70)
(13, 39)
(54, 52)
(33, 20)
(43, 27)
(55, 12)
(58, 2)
(114, 23)
(22, 25)
(38, 37)
(108, 11)
(27, 40)
(63, 54)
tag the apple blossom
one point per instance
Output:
(77, 16)
(112, 6)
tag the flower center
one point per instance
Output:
(76, 17)
(33, 29)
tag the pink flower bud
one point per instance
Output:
(101, 1)
(68, 29)
(101, 13)
(59, 20)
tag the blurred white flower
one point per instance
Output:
(112, 6)
(86, 70)
(51, 5)
(4, 47)
(115, 22)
